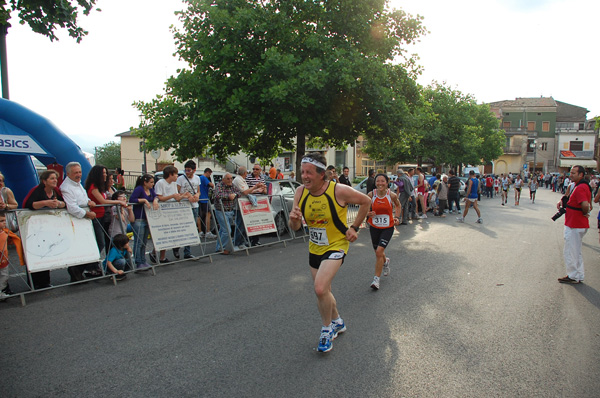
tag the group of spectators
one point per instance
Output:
(103, 200)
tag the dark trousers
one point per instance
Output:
(40, 279)
(405, 206)
(454, 197)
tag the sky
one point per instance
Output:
(492, 49)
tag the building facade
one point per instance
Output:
(539, 132)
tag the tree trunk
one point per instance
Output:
(300, 151)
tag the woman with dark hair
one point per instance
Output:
(95, 186)
(110, 191)
(144, 197)
(382, 221)
(120, 179)
(45, 195)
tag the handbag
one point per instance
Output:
(11, 217)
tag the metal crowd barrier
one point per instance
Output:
(279, 205)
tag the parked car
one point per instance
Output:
(287, 189)
(463, 186)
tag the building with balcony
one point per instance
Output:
(576, 143)
(539, 133)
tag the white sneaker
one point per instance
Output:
(201, 235)
(386, 267)
(3, 296)
(479, 221)
(375, 284)
(460, 219)
(240, 247)
(210, 235)
(422, 216)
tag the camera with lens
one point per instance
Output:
(563, 208)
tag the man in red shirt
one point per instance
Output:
(489, 186)
(577, 223)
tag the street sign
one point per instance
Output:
(155, 153)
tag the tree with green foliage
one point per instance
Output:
(44, 17)
(109, 155)
(267, 76)
(449, 128)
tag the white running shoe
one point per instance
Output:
(375, 284)
(386, 267)
(460, 219)
(210, 235)
(201, 235)
(338, 328)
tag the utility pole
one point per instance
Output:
(3, 60)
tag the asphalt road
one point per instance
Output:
(469, 310)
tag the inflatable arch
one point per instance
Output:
(24, 133)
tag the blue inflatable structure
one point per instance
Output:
(24, 133)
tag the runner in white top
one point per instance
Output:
(518, 186)
(505, 180)
(533, 186)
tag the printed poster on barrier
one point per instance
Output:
(53, 239)
(258, 219)
(173, 225)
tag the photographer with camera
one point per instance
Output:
(577, 207)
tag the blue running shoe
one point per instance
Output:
(338, 328)
(325, 341)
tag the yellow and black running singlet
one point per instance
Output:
(326, 221)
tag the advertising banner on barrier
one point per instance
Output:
(258, 219)
(173, 225)
(53, 239)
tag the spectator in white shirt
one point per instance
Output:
(167, 191)
(189, 183)
(76, 198)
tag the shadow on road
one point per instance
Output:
(591, 294)
(594, 248)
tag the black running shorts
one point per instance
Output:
(381, 237)
(314, 260)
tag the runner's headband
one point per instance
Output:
(315, 162)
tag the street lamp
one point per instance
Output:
(534, 146)
(143, 146)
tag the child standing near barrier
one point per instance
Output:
(121, 216)
(118, 257)
(7, 236)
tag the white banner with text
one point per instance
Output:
(53, 239)
(173, 225)
(258, 219)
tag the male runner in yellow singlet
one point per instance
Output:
(324, 206)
